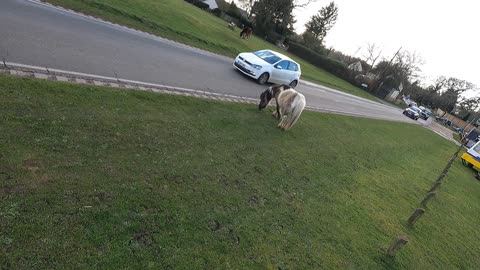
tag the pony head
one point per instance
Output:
(265, 98)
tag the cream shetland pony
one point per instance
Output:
(289, 103)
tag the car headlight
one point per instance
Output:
(257, 67)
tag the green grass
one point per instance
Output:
(180, 21)
(99, 178)
(456, 136)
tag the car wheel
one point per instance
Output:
(263, 79)
(293, 84)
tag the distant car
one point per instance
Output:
(425, 113)
(445, 122)
(412, 112)
(269, 66)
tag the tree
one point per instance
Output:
(274, 15)
(247, 6)
(458, 86)
(448, 100)
(403, 67)
(438, 85)
(446, 94)
(372, 54)
(322, 22)
(408, 64)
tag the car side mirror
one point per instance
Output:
(278, 67)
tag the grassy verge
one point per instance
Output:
(101, 178)
(456, 136)
(183, 22)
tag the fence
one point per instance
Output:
(455, 120)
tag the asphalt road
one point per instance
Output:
(34, 34)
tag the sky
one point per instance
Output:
(444, 33)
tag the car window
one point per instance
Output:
(283, 64)
(292, 66)
(267, 56)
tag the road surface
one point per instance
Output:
(35, 34)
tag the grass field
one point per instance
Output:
(180, 21)
(101, 178)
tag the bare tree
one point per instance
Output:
(438, 85)
(469, 104)
(247, 5)
(409, 63)
(372, 54)
(458, 86)
(303, 3)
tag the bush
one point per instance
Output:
(201, 4)
(273, 37)
(245, 21)
(337, 68)
(217, 12)
(234, 13)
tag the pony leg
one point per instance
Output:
(282, 122)
(288, 123)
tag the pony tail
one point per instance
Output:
(298, 106)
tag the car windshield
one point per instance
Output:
(415, 109)
(267, 56)
(476, 148)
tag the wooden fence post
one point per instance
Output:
(440, 178)
(415, 216)
(396, 245)
(427, 198)
(435, 187)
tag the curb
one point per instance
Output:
(51, 74)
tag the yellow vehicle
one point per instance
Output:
(472, 157)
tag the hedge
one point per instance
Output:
(337, 68)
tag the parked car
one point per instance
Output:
(445, 122)
(425, 113)
(269, 66)
(412, 112)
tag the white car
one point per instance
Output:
(269, 66)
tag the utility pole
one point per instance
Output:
(385, 70)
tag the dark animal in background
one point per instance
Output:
(246, 32)
(289, 104)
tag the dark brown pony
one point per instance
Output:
(246, 32)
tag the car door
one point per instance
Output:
(280, 72)
(293, 70)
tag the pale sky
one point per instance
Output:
(444, 33)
